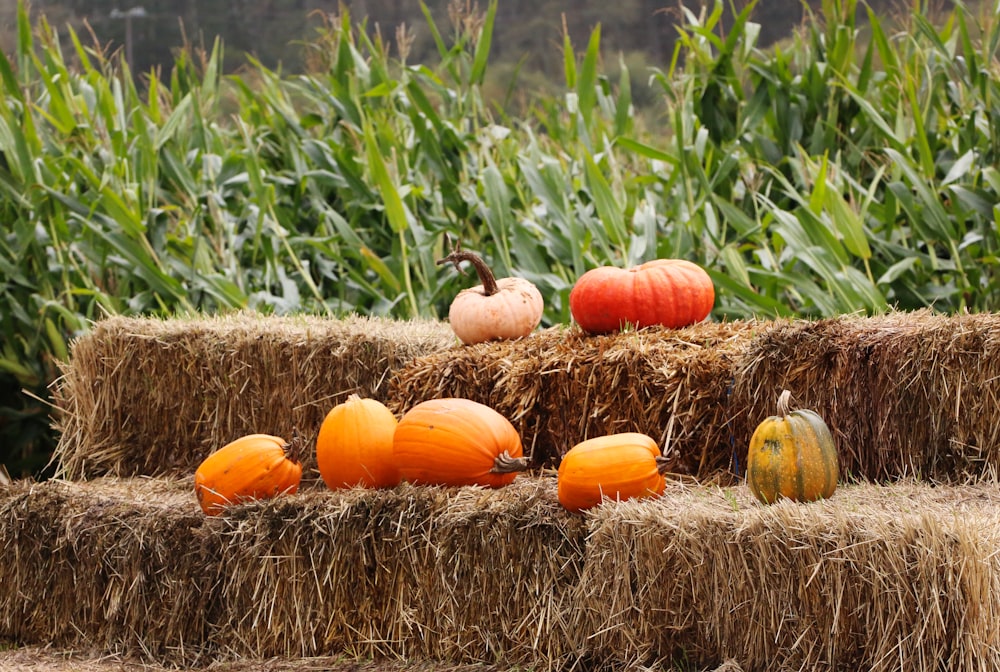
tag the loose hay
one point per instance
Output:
(559, 387)
(144, 396)
(905, 394)
(901, 576)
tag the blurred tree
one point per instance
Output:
(271, 30)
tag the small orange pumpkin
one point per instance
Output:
(454, 441)
(617, 466)
(670, 292)
(256, 466)
(502, 309)
(792, 455)
(354, 445)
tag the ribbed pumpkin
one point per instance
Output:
(453, 441)
(670, 292)
(617, 466)
(792, 455)
(495, 309)
(256, 466)
(354, 445)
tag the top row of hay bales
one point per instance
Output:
(905, 394)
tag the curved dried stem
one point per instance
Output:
(505, 464)
(486, 277)
(294, 449)
(784, 403)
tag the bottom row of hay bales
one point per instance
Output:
(901, 576)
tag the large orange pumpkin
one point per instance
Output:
(617, 466)
(670, 292)
(256, 466)
(495, 309)
(354, 445)
(792, 455)
(453, 441)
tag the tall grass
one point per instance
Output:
(849, 169)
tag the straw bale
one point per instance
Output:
(879, 577)
(904, 394)
(900, 577)
(560, 386)
(148, 396)
(119, 566)
(459, 574)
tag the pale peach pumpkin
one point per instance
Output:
(502, 309)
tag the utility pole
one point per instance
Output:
(128, 15)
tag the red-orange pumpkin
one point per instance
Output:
(256, 466)
(670, 292)
(617, 466)
(454, 441)
(354, 445)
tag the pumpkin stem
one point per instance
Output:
(505, 464)
(293, 448)
(486, 278)
(670, 465)
(784, 403)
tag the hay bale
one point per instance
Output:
(146, 396)
(559, 387)
(458, 574)
(133, 566)
(901, 577)
(904, 394)
(119, 566)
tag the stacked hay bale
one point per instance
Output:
(144, 396)
(901, 576)
(905, 394)
(560, 387)
(890, 573)
(879, 578)
(123, 565)
(449, 574)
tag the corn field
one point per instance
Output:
(849, 169)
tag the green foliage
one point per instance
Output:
(849, 169)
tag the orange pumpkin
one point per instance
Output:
(616, 466)
(494, 310)
(257, 466)
(670, 292)
(354, 445)
(457, 442)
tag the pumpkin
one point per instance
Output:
(452, 441)
(617, 466)
(354, 445)
(502, 309)
(792, 455)
(670, 292)
(256, 466)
